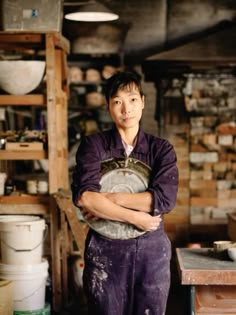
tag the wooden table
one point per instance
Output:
(211, 281)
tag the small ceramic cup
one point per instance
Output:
(3, 177)
(42, 187)
(31, 187)
(221, 246)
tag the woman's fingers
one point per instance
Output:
(88, 216)
(155, 223)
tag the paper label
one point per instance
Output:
(30, 13)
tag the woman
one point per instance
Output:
(132, 276)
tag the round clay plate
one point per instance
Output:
(121, 175)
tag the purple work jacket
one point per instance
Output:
(157, 153)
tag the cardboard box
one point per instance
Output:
(32, 15)
(24, 146)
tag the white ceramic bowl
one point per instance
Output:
(20, 77)
(232, 253)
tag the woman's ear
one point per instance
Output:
(143, 100)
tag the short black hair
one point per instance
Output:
(120, 80)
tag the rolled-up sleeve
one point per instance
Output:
(86, 175)
(164, 180)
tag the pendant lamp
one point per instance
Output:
(91, 12)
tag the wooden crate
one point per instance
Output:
(24, 146)
(232, 226)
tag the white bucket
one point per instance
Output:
(21, 238)
(29, 284)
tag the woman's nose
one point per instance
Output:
(126, 107)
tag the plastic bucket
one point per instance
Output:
(43, 311)
(21, 238)
(29, 284)
(6, 296)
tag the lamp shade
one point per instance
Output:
(92, 12)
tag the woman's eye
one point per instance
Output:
(116, 102)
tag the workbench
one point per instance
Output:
(211, 281)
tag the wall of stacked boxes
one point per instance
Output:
(198, 117)
(212, 108)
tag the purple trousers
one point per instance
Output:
(127, 277)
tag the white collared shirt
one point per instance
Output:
(128, 148)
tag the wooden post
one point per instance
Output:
(56, 257)
(51, 112)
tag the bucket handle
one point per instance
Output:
(31, 294)
(28, 250)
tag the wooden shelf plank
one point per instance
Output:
(25, 204)
(39, 209)
(16, 37)
(29, 99)
(22, 155)
(25, 199)
(24, 39)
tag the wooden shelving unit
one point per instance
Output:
(55, 48)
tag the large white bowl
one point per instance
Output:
(20, 77)
(232, 253)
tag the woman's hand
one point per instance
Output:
(146, 222)
(87, 215)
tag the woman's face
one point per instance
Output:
(126, 107)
